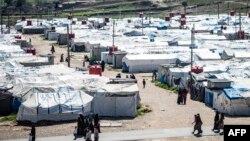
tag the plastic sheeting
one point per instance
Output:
(117, 100)
(59, 106)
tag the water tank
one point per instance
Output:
(232, 13)
(18, 37)
(84, 22)
(70, 17)
(29, 22)
(197, 69)
(71, 35)
(241, 34)
(23, 18)
(95, 69)
(30, 50)
(171, 14)
(106, 19)
(111, 49)
(183, 15)
(141, 14)
(183, 21)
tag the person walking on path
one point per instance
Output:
(221, 124)
(144, 83)
(75, 132)
(199, 124)
(179, 97)
(195, 124)
(97, 122)
(52, 49)
(96, 134)
(103, 65)
(216, 121)
(184, 95)
(33, 133)
(62, 58)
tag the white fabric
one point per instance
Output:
(117, 100)
(63, 105)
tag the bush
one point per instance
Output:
(11, 117)
(141, 110)
(165, 86)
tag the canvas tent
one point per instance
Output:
(58, 106)
(233, 101)
(146, 62)
(119, 100)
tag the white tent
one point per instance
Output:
(176, 73)
(233, 101)
(119, 100)
(58, 106)
(147, 62)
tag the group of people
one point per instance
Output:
(86, 126)
(218, 123)
(182, 96)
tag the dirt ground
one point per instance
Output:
(165, 111)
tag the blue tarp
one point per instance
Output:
(209, 96)
(125, 68)
(235, 92)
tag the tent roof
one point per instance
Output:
(125, 89)
(151, 56)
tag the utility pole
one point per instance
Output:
(247, 7)
(218, 4)
(68, 45)
(191, 47)
(8, 20)
(113, 36)
(142, 24)
(1, 16)
(240, 19)
(228, 13)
